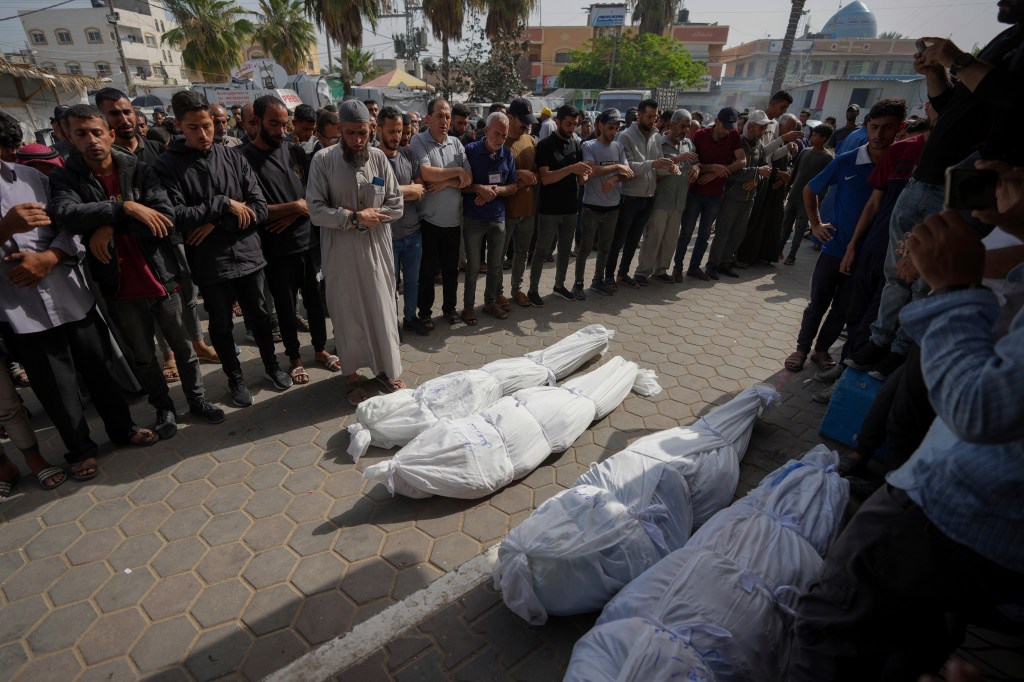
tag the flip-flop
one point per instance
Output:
(355, 393)
(823, 360)
(427, 323)
(331, 363)
(299, 375)
(140, 437)
(207, 354)
(389, 385)
(78, 467)
(20, 377)
(469, 317)
(45, 474)
(170, 372)
(795, 362)
(5, 489)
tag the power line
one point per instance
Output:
(41, 9)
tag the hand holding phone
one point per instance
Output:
(970, 189)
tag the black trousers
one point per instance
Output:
(878, 610)
(440, 250)
(218, 299)
(830, 293)
(54, 359)
(288, 275)
(633, 215)
(900, 414)
(865, 295)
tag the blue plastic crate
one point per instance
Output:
(855, 391)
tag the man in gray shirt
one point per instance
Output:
(445, 172)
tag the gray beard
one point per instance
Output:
(356, 159)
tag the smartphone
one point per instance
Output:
(970, 189)
(921, 45)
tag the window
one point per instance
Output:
(103, 69)
(49, 66)
(161, 23)
(38, 37)
(113, 37)
(141, 71)
(150, 40)
(739, 70)
(74, 67)
(769, 69)
(534, 57)
(64, 36)
(93, 35)
(899, 68)
(563, 57)
(309, 66)
(861, 68)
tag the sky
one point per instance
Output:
(967, 23)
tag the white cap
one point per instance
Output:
(758, 117)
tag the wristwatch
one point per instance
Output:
(962, 60)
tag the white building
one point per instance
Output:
(83, 41)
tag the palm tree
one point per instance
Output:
(654, 15)
(361, 61)
(782, 65)
(505, 17)
(210, 35)
(286, 33)
(446, 18)
(343, 21)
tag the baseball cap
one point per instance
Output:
(158, 110)
(728, 117)
(758, 117)
(855, 107)
(609, 116)
(38, 153)
(521, 108)
(546, 111)
(59, 111)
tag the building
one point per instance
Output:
(83, 41)
(833, 96)
(550, 46)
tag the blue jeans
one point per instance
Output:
(917, 201)
(707, 209)
(408, 252)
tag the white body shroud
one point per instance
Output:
(476, 455)
(392, 420)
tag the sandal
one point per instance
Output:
(5, 489)
(427, 323)
(141, 437)
(389, 385)
(236, 310)
(355, 393)
(453, 318)
(51, 472)
(496, 310)
(170, 371)
(795, 362)
(207, 354)
(299, 375)
(84, 471)
(7, 486)
(302, 324)
(20, 377)
(469, 317)
(823, 360)
(332, 363)
(503, 303)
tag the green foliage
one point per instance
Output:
(641, 61)
(360, 61)
(286, 33)
(488, 68)
(891, 35)
(210, 35)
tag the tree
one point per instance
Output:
(891, 35)
(487, 67)
(343, 21)
(507, 17)
(286, 33)
(210, 35)
(654, 15)
(645, 60)
(795, 12)
(361, 61)
(446, 18)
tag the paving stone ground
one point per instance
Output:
(230, 551)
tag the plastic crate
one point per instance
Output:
(855, 391)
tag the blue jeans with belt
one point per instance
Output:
(707, 208)
(408, 253)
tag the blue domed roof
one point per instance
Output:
(853, 21)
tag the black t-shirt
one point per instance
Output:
(557, 153)
(282, 176)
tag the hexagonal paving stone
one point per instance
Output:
(566, 474)
(218, 652)
(9, 563)
(324, 616)
(265, 453)
(271, 609)
(358, 542)
(268, 532)
(114, 671)
(179, 556)
(112, 636)
(62, 665)
(266, 476)
(12, 657)
(163, 644)
(135, 552)
(189, 494)
(221, 602)
(61, 628)
(304, 455)
(304, 480)
(312, 538)
(171, 596)
(267, 503)
(542, 495)
(368, 580)
(221, 563)
(124, 590)
(308, 507)
(225, 528)
(79, 583)
(270, 567)
(453, 550)
(184, 523)
(34, 578)
(66, 509)
(144, 519)
(229, 498)
(352, 511)
(105, 514)
(272, 652)
(229, 472)
(93, 546)
(485, 523)
(511, 500)
(151, 490)
(406, 547)
(318, 573)
(413, 579)
(194, 468)
(344, 483)
(20, 617)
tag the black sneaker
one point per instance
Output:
(712, 273)
(415, 326)
(278, 378)
(166, 424)
(830, 376)
(239, 392)
(564, 293)
(728, 272)
(578, 293)
(664, 277)
(641, 280)
(866, 357)
(601, 288)
(206, 411)
(889, 364)
(535, 299)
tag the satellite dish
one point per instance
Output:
(358, 78)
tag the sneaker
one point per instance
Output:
(627, 281)
(712, 273)
(166, 424)
(278, 378)
(790, 260)
(641, 280)
(535, 299)
(563, 292)
(601, 288)
(239, 392)
(578, 293)
(824, 395)
(206, 411)
(521, 298)
(664, 277)
(866, 357)
(416, 326)
(728, 272)
(887, 366)
(697, 273)
(830, 376)
(677, 275)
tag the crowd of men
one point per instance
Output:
(113, 235)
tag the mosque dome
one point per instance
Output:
(853, 21)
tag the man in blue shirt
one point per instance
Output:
(483, 209)
(946, 535)
(846, 179)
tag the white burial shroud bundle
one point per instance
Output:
(389, 421)
(579, 548)
(476, 455)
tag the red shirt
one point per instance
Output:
(136, 277)
(722, 152)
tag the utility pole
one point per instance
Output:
(615, 49)
(411, 39)
(112, 19)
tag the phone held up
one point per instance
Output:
(970, 189)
